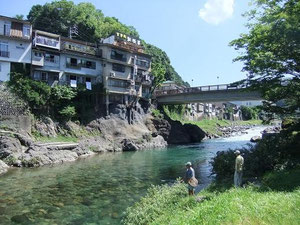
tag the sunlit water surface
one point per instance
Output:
(98, 189)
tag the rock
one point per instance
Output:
(46, 127)
(255, 139)
(184, 134)
(8, 146)
(3, 167)
(128, 145)
(21, 219)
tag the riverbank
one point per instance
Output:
(272, 203)
(98, 189)
(112, 133)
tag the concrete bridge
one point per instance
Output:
(207, 94)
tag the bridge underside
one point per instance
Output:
(209, 97)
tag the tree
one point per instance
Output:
(158, 71)
(19, 17)
(161, 57)
(271, 53)
(58, 16)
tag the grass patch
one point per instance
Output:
(210, 126)
(58, 138)
(251, 205)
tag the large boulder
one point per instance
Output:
(9, 145)
(128, 145)
(46, 127)
(184, 134)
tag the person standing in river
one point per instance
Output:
(239, 162)
(190, 178)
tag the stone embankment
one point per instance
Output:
(114, 133)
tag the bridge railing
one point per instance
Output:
(199, 89)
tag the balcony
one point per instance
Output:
(38, 61)
(4, 54)
(82, 49)
(73, 66)
(46, 42)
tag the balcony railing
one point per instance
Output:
(73, 66)
(50, 42)
(4, 54)
(83, 49)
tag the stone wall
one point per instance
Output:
(13, 111)
(17, 123)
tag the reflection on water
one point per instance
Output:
(98, 189)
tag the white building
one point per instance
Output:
(59, 60)
(15, 45)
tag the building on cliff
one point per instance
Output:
(118, 62)
(60, 60)
(15, 46)
(126, 69)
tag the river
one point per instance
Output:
(97, 190)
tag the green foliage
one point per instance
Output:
(19, 17)
(270, 52)
(59, 138)
(42, 99)
(273, 153)
(210, 126)
(286, 180)
(58, 16)
(170, 205)
(154, 204)
(159, 57)
(158, 71)
(157, 114)
(35, 93)
(68, 112)
(249, 113)
(175, 112)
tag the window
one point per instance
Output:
(7, 27)
(73, 81)
(26, 31)
(118, 67)
(4, 49)
(38, 54)
(50, 58)
(44, 76)
(36, 75)
(88, 64)
(118, 83)
(73, 62)
(118, 56)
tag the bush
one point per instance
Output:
(68, 112)
(273, 153)
(249, 113)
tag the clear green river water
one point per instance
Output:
(98, 189)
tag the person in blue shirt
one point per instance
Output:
(190, 178)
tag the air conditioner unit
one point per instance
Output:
(112, 74)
